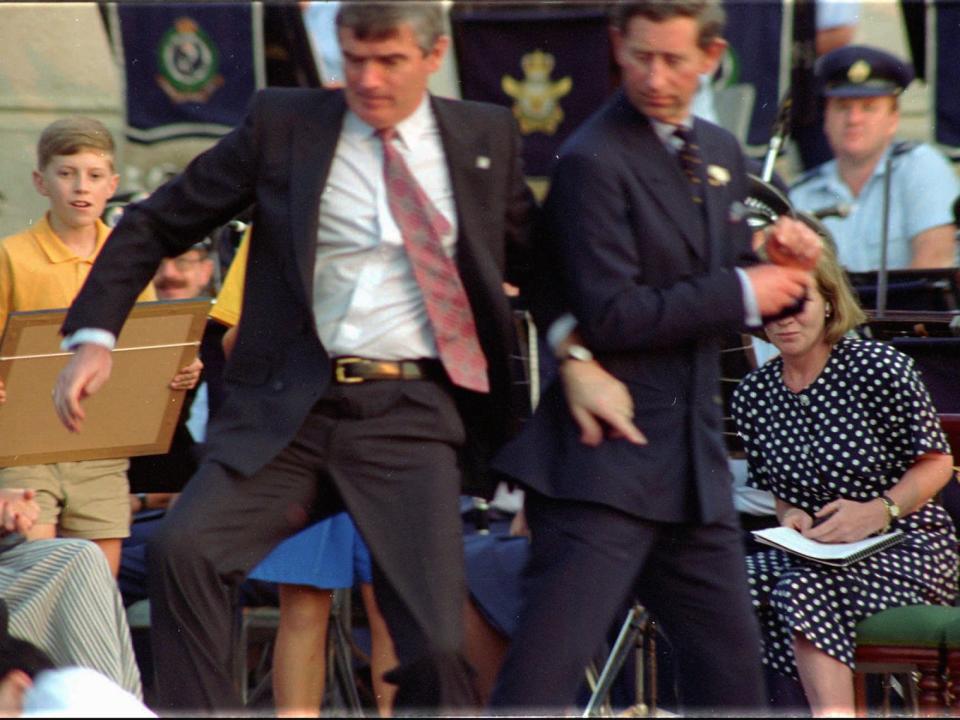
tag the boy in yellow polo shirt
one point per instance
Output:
(44, 267)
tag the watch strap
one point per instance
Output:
(892, 510)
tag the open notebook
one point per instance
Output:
(839, 554)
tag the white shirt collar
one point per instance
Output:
(408, 130)
(665, 130)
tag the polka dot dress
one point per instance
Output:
(851, 434)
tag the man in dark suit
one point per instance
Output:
(372, 354)
(643, 229)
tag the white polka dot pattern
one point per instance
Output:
(851, 434)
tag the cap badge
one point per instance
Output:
(859, 71)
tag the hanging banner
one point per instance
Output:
(190, 68)
(756, 62)
(552, 67)
(947, 89)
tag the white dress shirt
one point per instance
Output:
(366, 299)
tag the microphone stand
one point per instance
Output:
(778, 135)
(885, 239)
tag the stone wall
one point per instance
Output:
(56, 62)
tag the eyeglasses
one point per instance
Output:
(182, 264)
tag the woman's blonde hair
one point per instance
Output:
(832, 282)
(843, 310)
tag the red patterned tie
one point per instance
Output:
(422, 227)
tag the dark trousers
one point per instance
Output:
(588, 562)
(387, 450)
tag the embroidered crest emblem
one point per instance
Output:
(188, 62)
(859, 72)
(536, 97)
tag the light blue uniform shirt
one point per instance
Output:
(922, 190)
(837, 13)
(320, 21)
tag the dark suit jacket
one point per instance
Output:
(650, 279)
(278, 160)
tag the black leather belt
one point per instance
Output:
(348, 370)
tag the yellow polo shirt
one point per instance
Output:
(39, 272)
(226, 309)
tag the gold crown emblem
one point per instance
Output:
(537, 65)
(859, 72)
(537, 106)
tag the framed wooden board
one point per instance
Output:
(133, 414)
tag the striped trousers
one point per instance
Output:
(63, 599)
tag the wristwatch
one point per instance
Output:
(893, 510)
(142, 497)
(577, 352)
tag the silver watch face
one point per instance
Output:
(579, 352)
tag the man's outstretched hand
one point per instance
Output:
(599, 403)
(84, 375)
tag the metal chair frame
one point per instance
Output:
(637, 632)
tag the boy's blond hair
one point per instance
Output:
(72, 135)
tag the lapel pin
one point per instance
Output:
(483, 162)
(717, 175)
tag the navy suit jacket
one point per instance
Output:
(650, 278)
(278, 161)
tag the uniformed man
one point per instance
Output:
(862, 86)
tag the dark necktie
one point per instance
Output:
(691, 161)
(422, 227)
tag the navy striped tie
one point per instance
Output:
(691, 162)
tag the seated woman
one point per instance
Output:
(843, 432)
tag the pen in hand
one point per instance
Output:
(820, 520)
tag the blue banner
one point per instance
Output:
(755, 35)
(190, 68)
(947, 90)
(552, 67)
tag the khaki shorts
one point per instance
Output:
(89, 499)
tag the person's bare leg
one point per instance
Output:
(111, 547)
(300, 652)
(484, 647)
(827, 682)
(383, 657)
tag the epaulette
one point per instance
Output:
(902, 147)
(806, 177)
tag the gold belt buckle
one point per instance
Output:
(341, 376)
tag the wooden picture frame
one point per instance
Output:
(134, 413)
